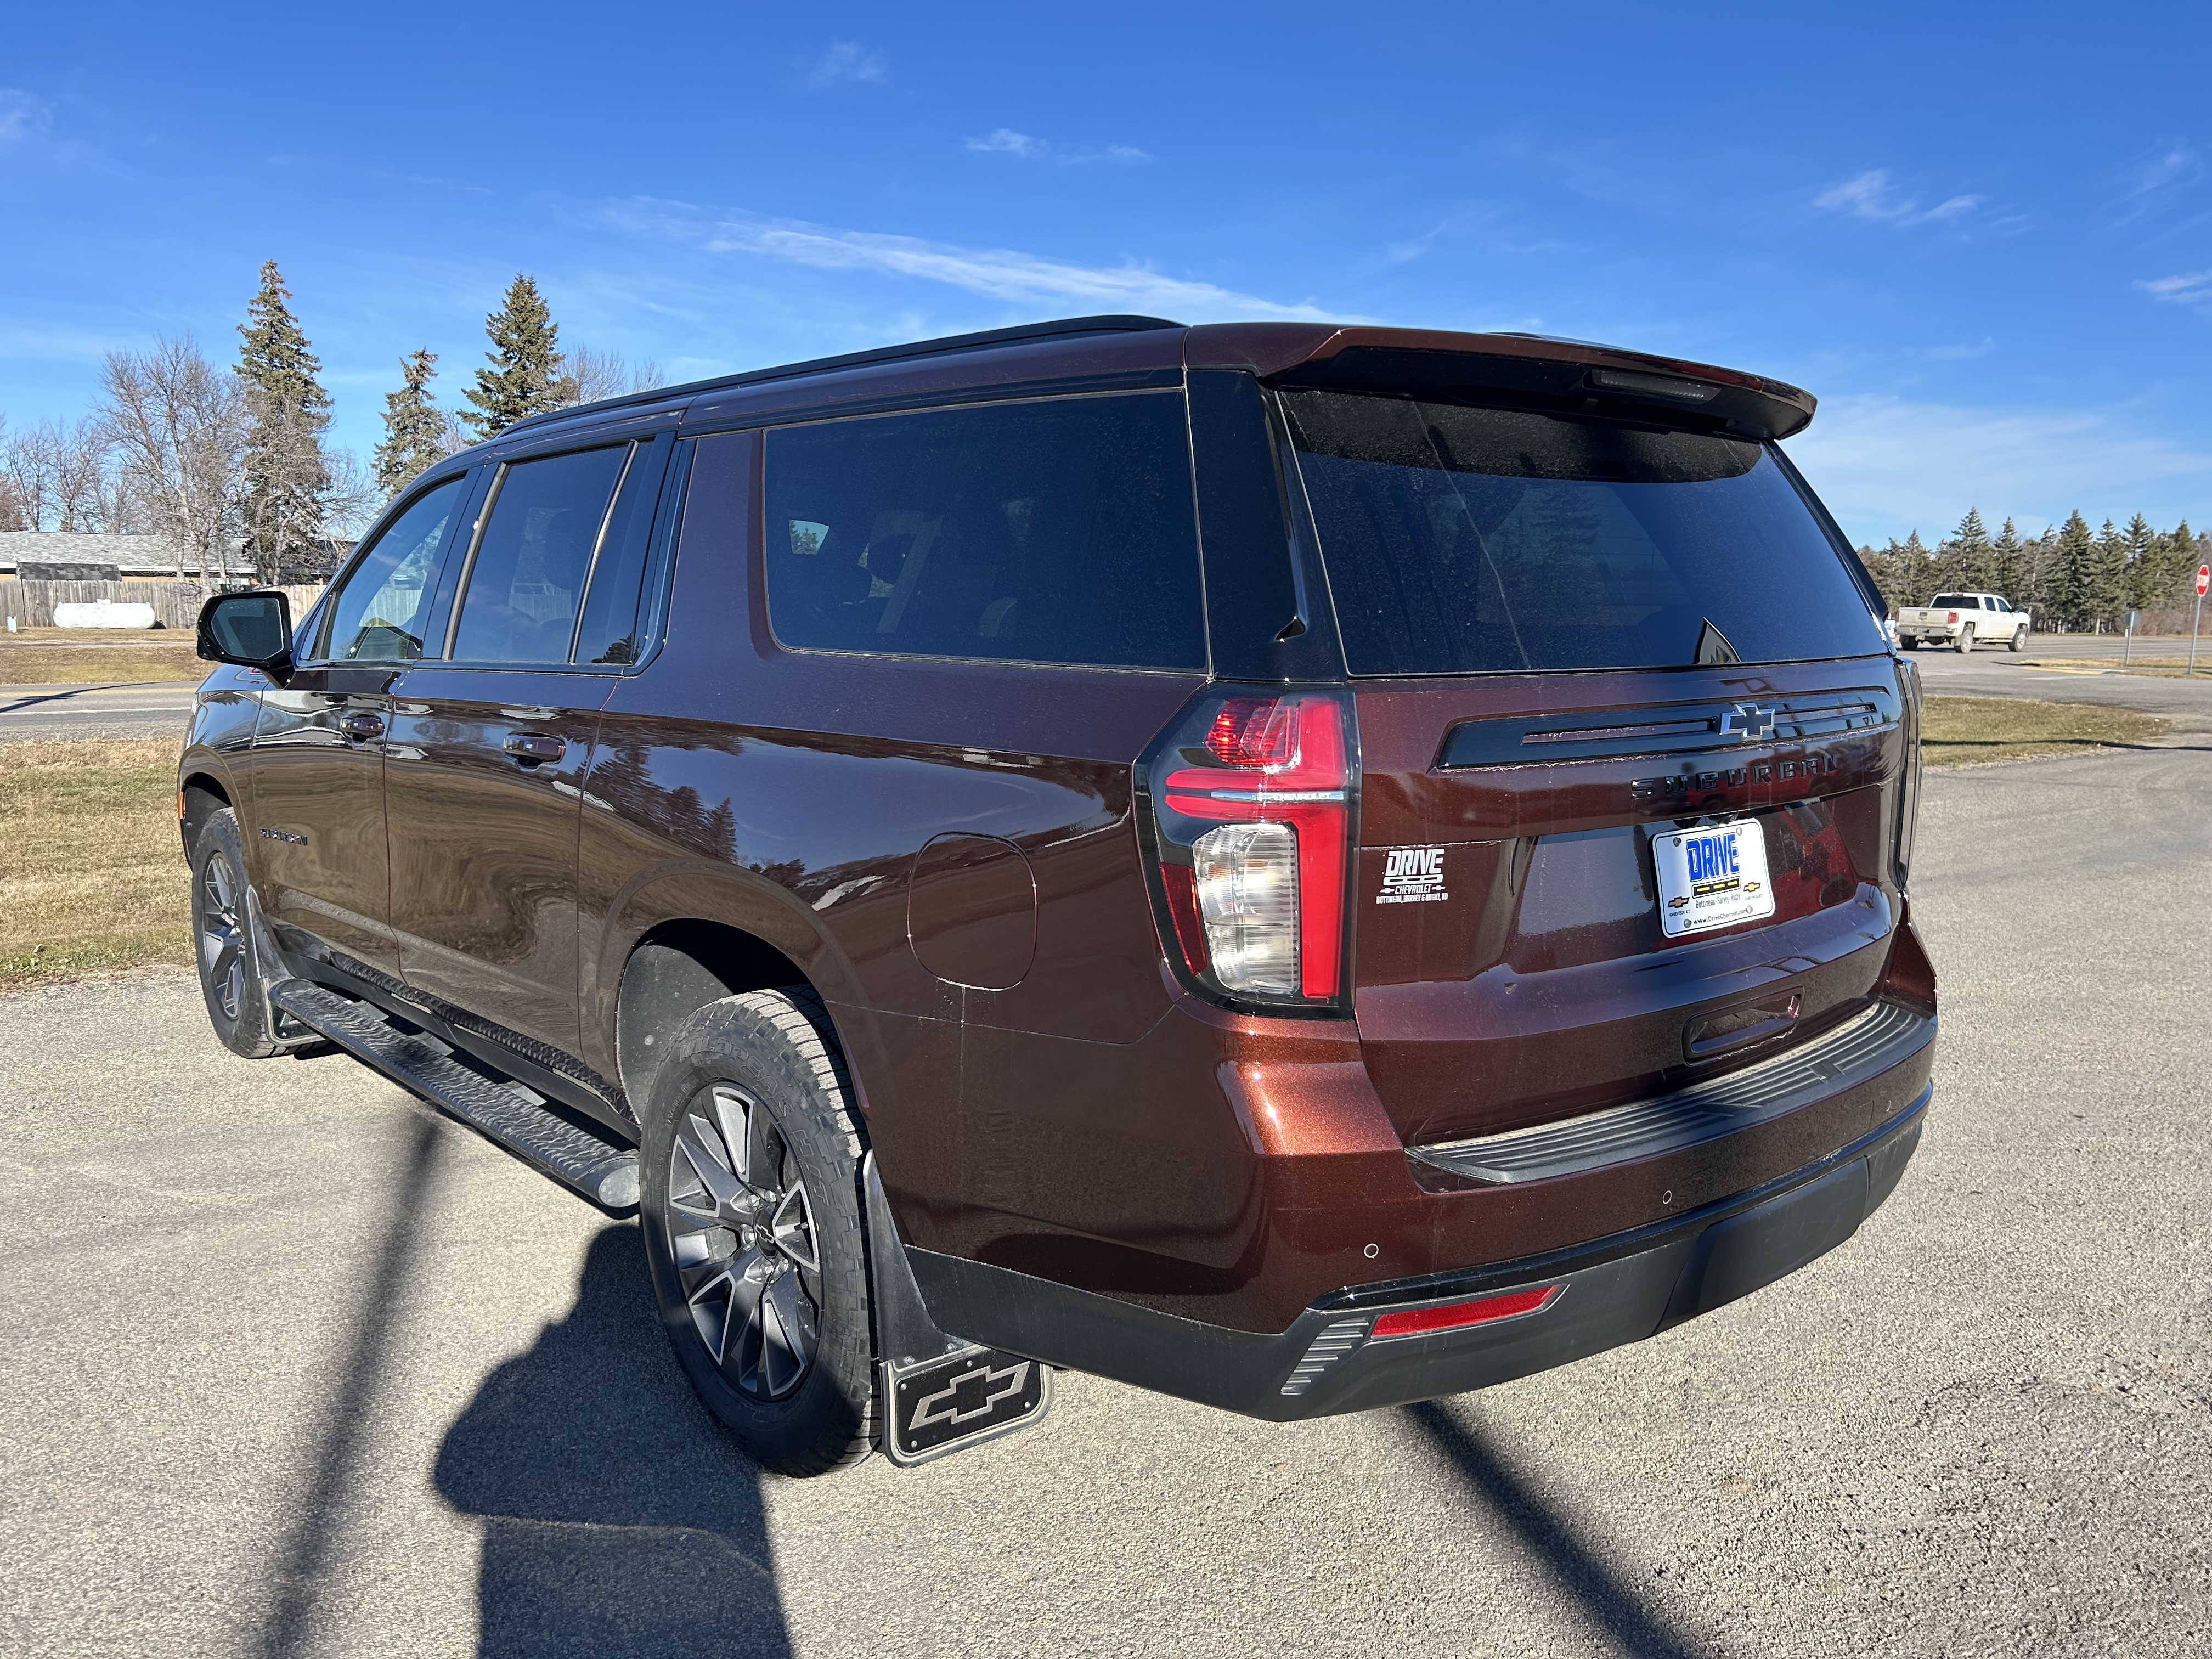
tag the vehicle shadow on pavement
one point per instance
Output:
(618, 1517)
(1551, 1541)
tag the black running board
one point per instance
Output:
(507, 1112)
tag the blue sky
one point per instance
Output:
(1982, 235)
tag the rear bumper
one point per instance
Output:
(1611, 1291)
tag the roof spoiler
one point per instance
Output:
(1530, 371)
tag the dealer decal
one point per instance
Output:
(1413, 875)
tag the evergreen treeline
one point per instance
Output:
(234, 468)
(2074, 579)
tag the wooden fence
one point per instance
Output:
(176, 604)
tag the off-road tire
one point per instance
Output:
(222, 940)
(1965, 642)
(778, 1048)
(2019, 639)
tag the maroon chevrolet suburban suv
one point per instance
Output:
(1304, 868)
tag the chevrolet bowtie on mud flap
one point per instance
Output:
(1304, 868)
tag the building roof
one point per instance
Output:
(133, 554)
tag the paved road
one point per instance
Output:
(95, 711)
(288, 1363)
(1998, 673)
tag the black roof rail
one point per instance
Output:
(1063, 327)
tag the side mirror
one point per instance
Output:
(252, 629)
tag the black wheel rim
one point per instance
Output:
(741, 1232)
(222, 941)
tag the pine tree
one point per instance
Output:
(2008, 567)
(286, 476)
(2181, 560)
(2075, 577)
(1915, 570)
(414, 426)
(2146, 564)
(1963, 562)
(523, 373)
(2108, 584)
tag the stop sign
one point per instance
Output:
(2204, 579)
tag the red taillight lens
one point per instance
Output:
(1252, 804)
(1254, 732)
(1950, 615)
(1416, 1321)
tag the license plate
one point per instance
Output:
(1712, 878)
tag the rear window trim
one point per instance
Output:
(758, 567)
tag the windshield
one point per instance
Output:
(1465, 540)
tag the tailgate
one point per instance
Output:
(1510, 963)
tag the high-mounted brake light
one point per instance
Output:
(1416, 1321)
(1252, 801)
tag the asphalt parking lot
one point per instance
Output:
(290, 1363)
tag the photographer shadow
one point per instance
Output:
(618, 1517)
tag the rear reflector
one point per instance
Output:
(1416, 1321)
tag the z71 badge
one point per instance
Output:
(1413, 875)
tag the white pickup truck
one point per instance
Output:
(1962, 621)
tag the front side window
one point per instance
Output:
(1461, 540)
(1058, 530)
(377, 613)
(547, 520)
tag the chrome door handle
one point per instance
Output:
(362, 726)
(530, 749)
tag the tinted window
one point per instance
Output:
(1059, 530)
(376, 614)
(1468, 540)
(1963, 601)
(611, 613)
(535, 555)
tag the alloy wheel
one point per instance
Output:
(222, 940)
(741, 1231)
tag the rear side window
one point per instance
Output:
(1060, 531)
(1461, 541)
(547, 517)
(376, 616)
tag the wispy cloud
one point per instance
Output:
(1886, 465)
(1952, 354)
(22, 114)
(1873, 197)
(845, 60)
(2190, 288)
(1004, 141)
(2152, 183)
(1003, 274)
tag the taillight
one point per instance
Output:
(1950, 615)
(1250, 798)
(1908, 783)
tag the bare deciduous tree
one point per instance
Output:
(599, 375)
(178, 424)
(58, 475)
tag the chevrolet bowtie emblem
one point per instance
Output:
(1747, 723)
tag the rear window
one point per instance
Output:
(1462, 541)
(1963, 601)
(1059, 530)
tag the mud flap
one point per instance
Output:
(960, 1400)
(940, 1395)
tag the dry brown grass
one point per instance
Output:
(98, 656)
(92, 874)
(1960, 730)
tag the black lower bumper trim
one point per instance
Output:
(1612, 1291)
